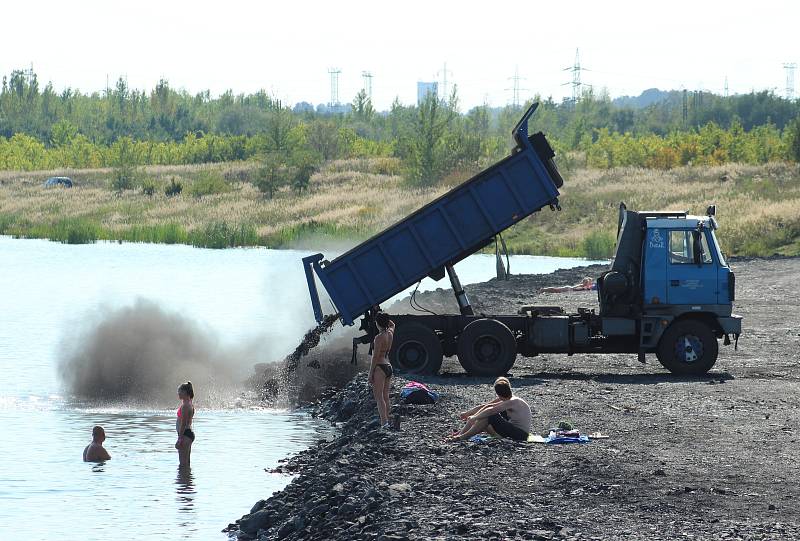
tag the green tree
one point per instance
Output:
(323, 137)
(305, 165)
(271, 174)
(794, 140)
(362, 106)
(62, 133)
(124, 161)
(426, 150)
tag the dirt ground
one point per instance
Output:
(712, 457)
(683, 450)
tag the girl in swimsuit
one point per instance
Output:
(183, 425)
(380, 370)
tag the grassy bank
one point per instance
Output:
(758, 206)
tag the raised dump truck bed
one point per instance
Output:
(441, 233)
(668, 291)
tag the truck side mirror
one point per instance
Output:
(697, 248)
(711, 210)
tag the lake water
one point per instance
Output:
(49, 290)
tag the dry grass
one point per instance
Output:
(346, 200)
(758, 207)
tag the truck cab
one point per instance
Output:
(669, 273)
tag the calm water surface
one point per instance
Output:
(47, 289)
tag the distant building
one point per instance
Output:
(338, 109)
(423, 89)
(303, 107)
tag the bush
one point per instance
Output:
(388, 166)
(222, 235)
(123, 178)
(148, 187)
(209, 183)
(76, 230)
(598, 245)
(173, 188)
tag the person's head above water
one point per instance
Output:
(502, 387)
(382, 319)
(185, 390)
(98, 434)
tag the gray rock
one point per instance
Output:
(259, 520)
(399, 489)
(347, 410)
(285, 529)
(258, 506)
(346, 509)
(319, 509)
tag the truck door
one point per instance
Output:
(691, 272)
(654, 267)
(725, 278)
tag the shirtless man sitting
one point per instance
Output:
(507, 416)
(95, 452)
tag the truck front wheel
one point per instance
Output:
(688, 347)
(415, 349)
(486, 347)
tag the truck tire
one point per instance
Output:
(688, 347)
(486, 347)
(415, 349)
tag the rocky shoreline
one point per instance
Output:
(688, 458)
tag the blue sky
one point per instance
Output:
(288, 47)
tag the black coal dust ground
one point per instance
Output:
(712, 457)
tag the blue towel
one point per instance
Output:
(552, 438)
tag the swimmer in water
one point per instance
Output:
(183, 424)
(95, 452)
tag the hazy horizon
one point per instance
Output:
(287, 52)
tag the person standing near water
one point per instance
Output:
(184, 423)
(95, 452)
(380, 370)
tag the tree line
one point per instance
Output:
(43, 129)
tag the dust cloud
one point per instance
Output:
(140, 353)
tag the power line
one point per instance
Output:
(576, 83)
(443, 72)
(367, 76)
(515, 89)
(334, 73)
(789, 67)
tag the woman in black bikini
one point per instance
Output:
(184, 423)
(380, 370)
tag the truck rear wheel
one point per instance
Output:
(487, 347)
(688, 347)
(415, 349)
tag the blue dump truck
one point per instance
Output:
(668, 290)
